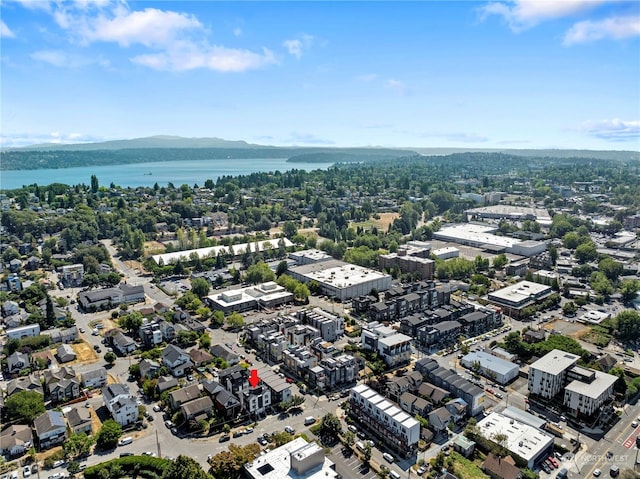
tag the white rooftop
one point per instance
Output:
(523, 440)
(394, 340)
(276, 464)
(476, 233)
(519, 292)
(600, 384)
(212, 251)
(555, 362)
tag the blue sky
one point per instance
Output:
(500, 74)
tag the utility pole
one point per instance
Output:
(158, 445)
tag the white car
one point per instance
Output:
(26, 472)
(388, 457)
(634, 424)
(156, 408)
(289, 429)
(597, 473)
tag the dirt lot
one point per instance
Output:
(575, 330)
(153, 247)
(85, 353)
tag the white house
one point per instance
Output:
(94, 378)
(120, 403)
(176, 359)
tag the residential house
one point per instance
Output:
(27, 383)
(15, 440)
(94, 378)
(151, 334)
(168, 330)
(16, 362)
(50, 428)
(79, 419)
(225, 402)
(183, 395)
(464, 446)
(223, 352)
(533, 336)
(457, 408)
(65, 353)
(498, 467)
(200, 408)
(439, 420)
(67, 335)
(61, 384)
(200, 357)
(414, 405)
(148, 368)
(10, 308)
(435, 394)
(123, 344)
(166, 383)
(176, 359)
(32, 263)
(120, 403)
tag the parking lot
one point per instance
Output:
(349, 465)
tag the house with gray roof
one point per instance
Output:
(201, 407)
(165, 383)
(15, 440)
(79, 419)
(65, 353)
(120, 403)
(94, 378)
(439, 420)
(50, 428)
(27, 383)
(176, 359)
(61, 384)
(17, 361)
(223, 352)
(183, 395)
(148, 368)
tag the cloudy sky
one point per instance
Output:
(518, 74)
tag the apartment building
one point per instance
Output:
(388, 422)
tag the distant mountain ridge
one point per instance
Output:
(157, 141)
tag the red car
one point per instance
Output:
(289, 380)
(553, 461)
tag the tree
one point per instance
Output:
(205, 341)
(110, 432)
(229, 463)
(77, 444)
(235, 320)
(200, 287)
(110, 358)
(217, 319)
(612, 269)
(94, 184)
(330, 426)
(185, 467)
(282, 268)
(259, 273)
(24, 406)
(569, 309)
(500, 261)
(132, 321)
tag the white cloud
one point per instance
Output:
(5, 31)
(62, 59)
(149, 27)
(613, 130)
(613, 27)
(523, 14)
(175, 41)
(297, 46)
(397, 86)
(186, 56)
(237, 31)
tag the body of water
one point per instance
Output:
(147, 174)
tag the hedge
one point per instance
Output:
(146, 466)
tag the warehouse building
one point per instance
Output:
(265, 295)
(480, 236)
(341, 280)
(492, 367)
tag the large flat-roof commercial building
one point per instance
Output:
(516, 297)
(213, 251)
(341, 280)
(481, 236)
(547, 375)
(297, 459)
(525, 441)
(387, 421)
(509, 212)
(491, 366)
(265, 295)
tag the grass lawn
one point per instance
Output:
(596, 336)
(463, 468)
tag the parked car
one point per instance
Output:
(289, 429)
(224, 438)
(262, 441)
(156, 408)
(388, 457)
